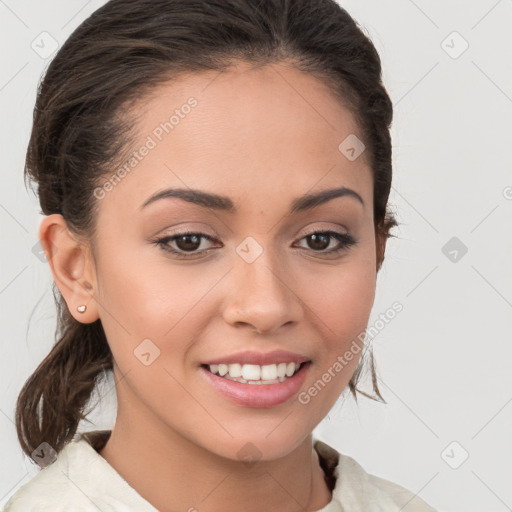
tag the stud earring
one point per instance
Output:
(82, 308)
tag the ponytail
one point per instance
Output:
(52, 401)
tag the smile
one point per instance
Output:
(254, 373)
(267, 391)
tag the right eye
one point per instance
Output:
(187, 244)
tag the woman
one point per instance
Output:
(214, 178)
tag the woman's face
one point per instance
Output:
(251, 287)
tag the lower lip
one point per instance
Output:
(258, 395)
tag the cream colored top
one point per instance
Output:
(81, 480)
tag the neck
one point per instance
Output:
(173, 473)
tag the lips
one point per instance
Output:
(259, 396)
(266, 391)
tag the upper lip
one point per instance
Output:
(260, 358)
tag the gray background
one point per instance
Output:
(444, 362)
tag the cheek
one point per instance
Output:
(150, 298)
(341, 306)
(342, 302)
(167, 304)
(151, 318)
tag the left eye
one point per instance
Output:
(318, 241)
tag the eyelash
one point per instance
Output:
(345, 239)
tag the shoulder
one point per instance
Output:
(79, 479)
(357, 489)
(52, 488)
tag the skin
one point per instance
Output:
(263, 137)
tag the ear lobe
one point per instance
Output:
(72, 266)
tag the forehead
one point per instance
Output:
(246, 132)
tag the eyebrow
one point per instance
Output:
(218, 202)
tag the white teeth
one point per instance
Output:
(251, 372)
(255, 374)
(281, 370)
(235, 370)
(269, 372)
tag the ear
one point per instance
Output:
(380, 247)
(72, 266)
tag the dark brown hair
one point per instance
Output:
(83, 128)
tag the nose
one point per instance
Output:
(261, 296)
